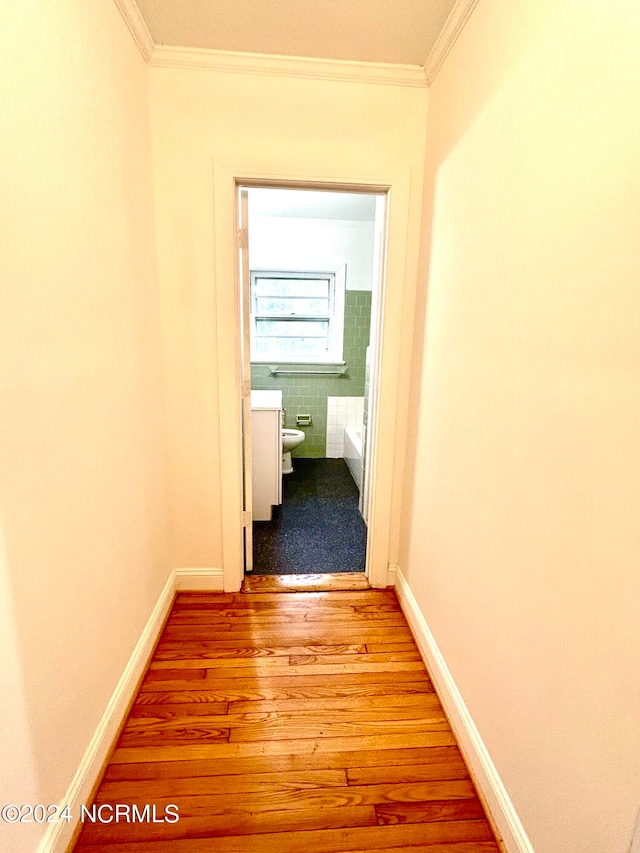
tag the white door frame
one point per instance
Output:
(245, 343)
(228, 176)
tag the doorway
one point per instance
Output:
(311, 264)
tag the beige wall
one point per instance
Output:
(524, 542)
(201, 114)
(82, 506)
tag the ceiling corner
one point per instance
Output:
(137, 27)
(454, 25)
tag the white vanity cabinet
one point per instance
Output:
(266, 452)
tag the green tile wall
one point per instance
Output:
(308, 394)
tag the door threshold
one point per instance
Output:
(305, 583)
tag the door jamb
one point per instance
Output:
(227, 177)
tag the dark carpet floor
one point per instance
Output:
(318, 528)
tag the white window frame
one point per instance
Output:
(337, 276)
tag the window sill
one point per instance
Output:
(329, 363)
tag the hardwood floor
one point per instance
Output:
(301, 723)
(305, 583)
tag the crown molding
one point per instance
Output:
(389, 74)
(454, 25)
(137, 27)
(165, 56)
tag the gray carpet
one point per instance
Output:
(318, 528)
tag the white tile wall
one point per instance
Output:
(341, 412)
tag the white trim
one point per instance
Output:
(490, 787)
(454, 25)
(304, 67)
(137, 27)
(209, 580)
(392, 569)
(395, 183)
(635, 841)
(59, 835)
(316, 362)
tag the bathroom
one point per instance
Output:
(314, 259)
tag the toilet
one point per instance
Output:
(291, 438)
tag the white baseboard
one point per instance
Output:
(59, 835)
(490, 787)
(391, 574)
(635, 841)
(209, 580)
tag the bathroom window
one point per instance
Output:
(297, 316)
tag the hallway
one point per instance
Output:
(289, 722)
(506, 493)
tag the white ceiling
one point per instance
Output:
(313, 204)
(390, 31)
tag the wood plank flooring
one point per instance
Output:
(301, 723)
(305, 582)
